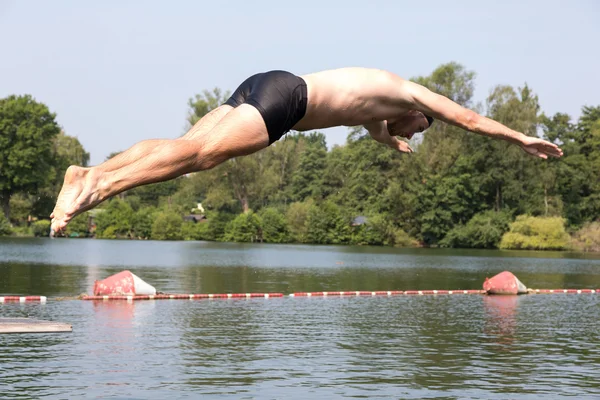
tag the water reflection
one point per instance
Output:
(501, 318)
(445, 346)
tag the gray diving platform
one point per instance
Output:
(27, 325)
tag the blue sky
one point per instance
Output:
(117, 72)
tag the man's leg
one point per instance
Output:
(241, 132)
(146, 147)
(75, 175)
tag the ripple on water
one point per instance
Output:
(459, 346)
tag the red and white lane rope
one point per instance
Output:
(429, 292)
(186, 296)
(43, 299)
(385, 293)
(22, 299)
(567, 291)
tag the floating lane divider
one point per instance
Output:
(127, 286)
(23, 299)
(567, 291)
(184, 296)
(385, 293)
(349, 293)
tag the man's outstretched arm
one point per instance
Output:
(444, 109)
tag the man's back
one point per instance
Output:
(351, 96)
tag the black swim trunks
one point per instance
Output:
(279, 96)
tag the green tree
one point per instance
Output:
(588, 139)
(150, 195)
(167, 226)
(282, 160)
(452, 80)
(115, 220)
(274, 226)
(565, 179)
(509, 173)
(67, 150)
(447, 199)
(143, 220)
(41, 228)
(484, 230)
(308, 179)
(588, 237)
(5, 228)
(326, 224)
(20, 208)
(203, 103)
(244, 228)
(436, 188)
(195, 231)
(536, 233)
(377, 230)
(217, 223)
(78, 226)
(297, 220)
(27, 130)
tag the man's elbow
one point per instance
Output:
(471, 120)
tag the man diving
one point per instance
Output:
(265, 107)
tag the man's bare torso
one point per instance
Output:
(351, 97)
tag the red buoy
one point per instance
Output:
(504, 283)
(124, 283)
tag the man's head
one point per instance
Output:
(409, 123)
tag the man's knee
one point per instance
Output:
(208, 155)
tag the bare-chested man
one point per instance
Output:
(262, 110)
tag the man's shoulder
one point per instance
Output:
(351, 74)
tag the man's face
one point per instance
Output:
(408, 124)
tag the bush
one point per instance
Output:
(119, 215)
(78, 226)
(195, 230)
(296, 217)
(402, 239)
(536, 233)
(5, 228)
(217, 221)
(274, 226)
(20, 208)
(587, 238)
(41, 228)
(244, 228)
(22, 231)
(327, 225)
(484, 231)
(167, 226)
(142, 222)
(377, 230)
(108, 233)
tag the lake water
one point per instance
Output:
(422, 347)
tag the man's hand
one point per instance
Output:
(540, 148)
(379, 132)
(400, 145)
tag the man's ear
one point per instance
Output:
(385, 124)
(429, 119)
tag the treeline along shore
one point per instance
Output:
(457, 190)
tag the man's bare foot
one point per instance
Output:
(80, 192)
(72, 186)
